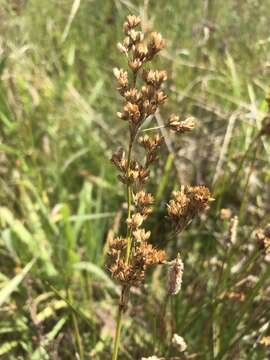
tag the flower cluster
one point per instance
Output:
(142, 91)
(181, 126)
(139, 49)
(143, 94)
(186, 204)
(142, 256)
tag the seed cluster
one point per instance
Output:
(186, 204)
(141, 88)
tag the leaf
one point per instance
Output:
(14, 283)
(97, 272)
(49, 337)
(8, 346)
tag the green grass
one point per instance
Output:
(60, 201)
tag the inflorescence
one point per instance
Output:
(142, 91)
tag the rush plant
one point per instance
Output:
(141, 88)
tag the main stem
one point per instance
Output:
(129, 243)
(128, 251)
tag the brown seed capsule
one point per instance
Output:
(156, 43)
(154, 77)
(181, 126)
(135, 64)
(131, 111)
(140, 235)
(121, 77)
(133, 21)
(135, 221)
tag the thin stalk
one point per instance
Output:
(245, 195)
(125, 291)
(75, 327)
(117, 334)
(129, 201)
(154, 128)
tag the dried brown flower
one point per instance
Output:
(154, 77)
(142, 198)
(131, 22)
(118, 159)
(186, 204)
(135, 221)
(151, 145)
(121, 77)
(156, 43)
(181, 126)
(140, 235)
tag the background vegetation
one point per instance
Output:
(61, 202)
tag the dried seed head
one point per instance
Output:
(177, 210)
(135, 65)
(175, 274)
(160, 97)
(181, 126)
(121, 78)
(118, 159)
(179, 343)
(140, 235)
(118, 244)
(186, 204)
(145, 255)
(135, 36)
(150, 143)
(154, 77)
(142, 198)
(127, 43)
(156, 43)
(131, 22)
(135, 221)
(132, 95)
(131, 112)
(140, 51)
(122, 48)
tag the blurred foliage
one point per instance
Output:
(61, 202)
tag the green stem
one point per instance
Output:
(75, 327)
(117, 334)
(129, 201)
(154, 128)
(125, 290)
